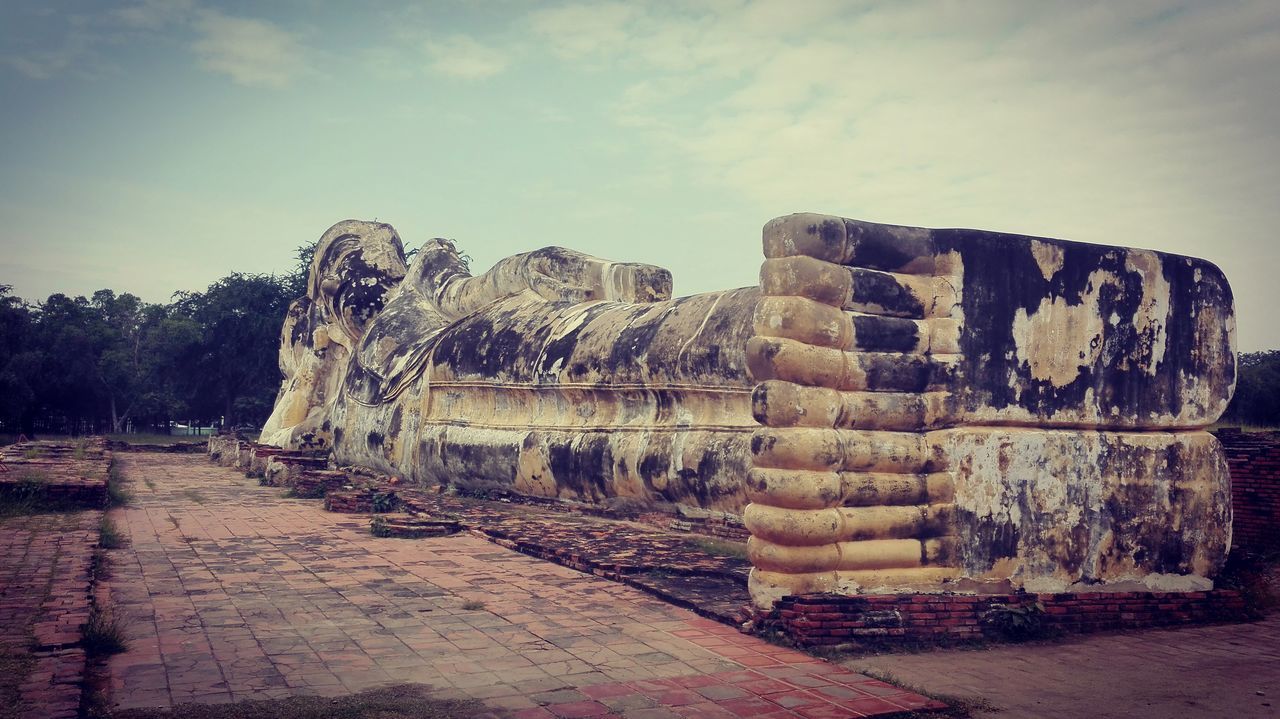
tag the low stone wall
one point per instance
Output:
(56, 475)
(828, 619)
(1254, 459)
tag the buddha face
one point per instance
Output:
(356, 265)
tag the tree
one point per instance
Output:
(233, 369)
(1257, 398)
(16, 393)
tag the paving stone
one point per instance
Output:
(251, 595)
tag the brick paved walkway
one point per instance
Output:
(239, 594)
(1229, 670)
(45, 564)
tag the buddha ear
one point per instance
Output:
(329, 285)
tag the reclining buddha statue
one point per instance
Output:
(891, 409)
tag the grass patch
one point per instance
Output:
(25, 495)
(472, 605)
(194, 495)
(957, 707)
(117, 494)
(106, 632)
(151, 438)
(409, 701)
(720, 547)
(110, 536)
(1256, 575)
(32, 453)
(14, 668)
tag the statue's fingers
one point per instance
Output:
(862, 290)
(794, 361)
(816, 323)
(893, 248)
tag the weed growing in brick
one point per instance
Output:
(720, 547)
(117, 494)
(24, 496)
(110, 536)
(106, 632)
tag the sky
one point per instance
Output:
(157, 146)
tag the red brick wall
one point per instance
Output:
(1255, 488)
(824, 619)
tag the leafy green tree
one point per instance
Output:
(16, 393)
(233, 369)
(1257, 398)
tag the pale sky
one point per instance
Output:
(159, 146)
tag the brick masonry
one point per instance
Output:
(816, 620)
(1254, 458)
(64, 475)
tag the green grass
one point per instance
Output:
(147, 438)
(117, 494)
(110, 536)
(399, 702)
(14, 667)
(194, 495)
(1245, 427)
(25, 495)
(720, 547)
(957, 707)
(106, 632)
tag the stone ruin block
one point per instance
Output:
(892, 409)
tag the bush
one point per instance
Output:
(1016, 622)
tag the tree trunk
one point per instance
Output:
(115, 419)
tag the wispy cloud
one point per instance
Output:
(463, 57)
(939, 111)
(71, 47)
(252, 52)
(154, 14)
(579, 30)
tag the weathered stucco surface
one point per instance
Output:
(967, 410)
(554, 373)
(891, 409)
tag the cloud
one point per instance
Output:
(252, 52)
(577, 31)
(154, 14)
(461, 56)
(1146, 123)
(70, 45)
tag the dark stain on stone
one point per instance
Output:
(897, 373)
(883, 290)
(886, 247)
(885, 334)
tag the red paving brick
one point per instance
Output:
(1229, 670)
(45, 568)
(241, 594)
